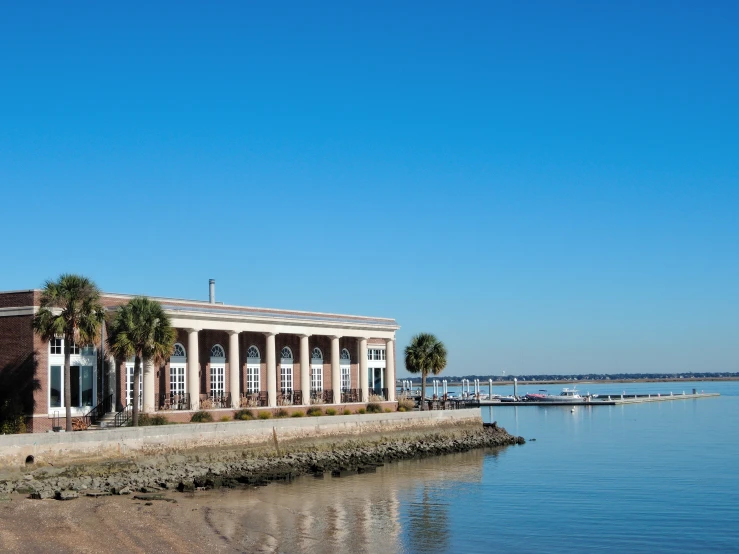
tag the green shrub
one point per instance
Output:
(402, 409)
(330, 411)
(225, 418)
(264, 415)
(146, 420)
(347, 412)
(297, 414)
(244, 415)
(201, 417)
(314, 411)
(282, 412)
(12, 420)
(374, 408)
(361, 411)
(387, 410)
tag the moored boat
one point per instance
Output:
(567, 395)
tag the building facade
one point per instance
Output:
(225, 357)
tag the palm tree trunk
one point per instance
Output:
(68, 383)
(423, 391)
(136, 391)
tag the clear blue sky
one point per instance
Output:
(550, 187)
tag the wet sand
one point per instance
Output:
(357, 514)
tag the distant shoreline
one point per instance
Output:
(458, 383)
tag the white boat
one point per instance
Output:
(567, 395)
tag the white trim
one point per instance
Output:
(18, 311)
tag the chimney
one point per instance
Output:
(212, 284)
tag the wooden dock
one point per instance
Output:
(601, 400)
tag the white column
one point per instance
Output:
(234, 368)
(112, 381)
(271, 370)
(390, 369)
(193, 368)
(305, 368)
(335, 370)
(363, 377)
(148, 383)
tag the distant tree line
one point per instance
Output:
(591, 376)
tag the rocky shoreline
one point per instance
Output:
(199, 470)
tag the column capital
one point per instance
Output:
(193, 330)
(231, 333)
(269, 334)
(334, 337)
(305, 336)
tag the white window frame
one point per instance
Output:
(286, 370)
(86, 360)
(130, 366)
(177, 378)
(316, 378)
(346, 378)
(286, 378)
(253, 384)
(217, 380)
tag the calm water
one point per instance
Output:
(639, 478)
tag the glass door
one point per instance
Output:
(81, 388)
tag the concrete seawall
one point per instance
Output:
(131, 443)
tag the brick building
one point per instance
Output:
(226, 357)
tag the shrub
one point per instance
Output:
(244, 415)
(347, 412)
(407, 404)
(314, 411)
(282, 412)
(264, 415)
(374, 408)
(361, 411)
(201, 417)
(146, 420)
(374, 398)
(297, 414)
(387, 410)
(225, 418)
(330, 411)
(12, 420)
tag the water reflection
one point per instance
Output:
(404, 507)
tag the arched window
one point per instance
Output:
(253, 359)
(253, 352)
(345, 357)
(286, 371)
(179, 351)
(317, 354)
(217, 351)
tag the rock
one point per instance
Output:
(67, 495)
(43, 494)
(149, 496)
(124, 490)
(97, 493)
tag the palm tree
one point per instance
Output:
(141, 329)
(425, 354)
(70, 308)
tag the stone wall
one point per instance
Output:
(130, 443)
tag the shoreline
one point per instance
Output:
(201, 469)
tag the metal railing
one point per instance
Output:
(123, 417)
(350, 395)
(174, 401)
(215, 401)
